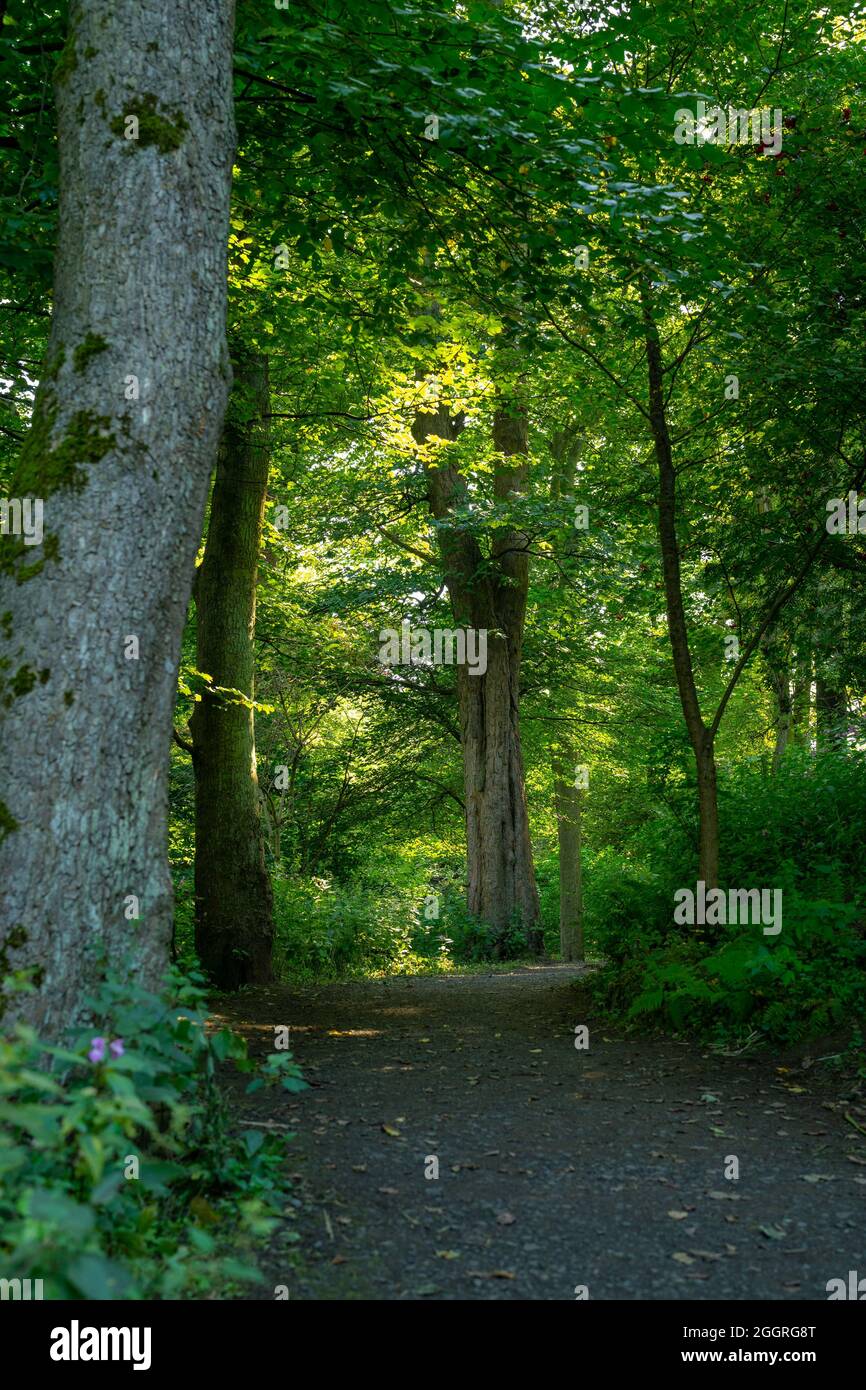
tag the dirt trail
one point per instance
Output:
(557, 1167)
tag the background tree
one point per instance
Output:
(234, 907)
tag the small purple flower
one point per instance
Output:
(116, 1048)
(97, 1050)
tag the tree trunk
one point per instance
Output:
(701, 737)
(783, 723)
(126, 425)
(491, 596)
(708, 810)
(234, 904)
(778, 662)
(801, 698)
(502, 889)
(565, 447)
(831, 696)
(567, 799)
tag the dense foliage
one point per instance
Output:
(120, 1177)
(497, 308)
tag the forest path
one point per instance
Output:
(557, 1167)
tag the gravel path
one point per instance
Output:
(557, 1167)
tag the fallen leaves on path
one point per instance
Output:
(773, 1232)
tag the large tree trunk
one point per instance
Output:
(126, 426)
(700, 736)
(567, 799)
(502, 889)
(234, 905)
(501, 876)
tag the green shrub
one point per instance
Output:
(470, 941)
(401, 912)
(801, 831)
(325, 930)
(138, 1088)
(328, 930)
(627, 905)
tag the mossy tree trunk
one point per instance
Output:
(126, 426)
(234, 904)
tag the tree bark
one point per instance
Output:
(126, 425)
(801, 698)
(831, 696)
(778, 663)
(491, 595)
(564, 447)
(568, 806)
(234, 927)
(783, 722)
(700, 736)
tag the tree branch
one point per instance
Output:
(181, 742)
(426, 555)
